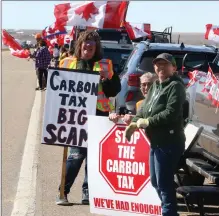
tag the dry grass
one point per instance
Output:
(192, 38)
(187, 38)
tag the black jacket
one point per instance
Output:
(110, 87)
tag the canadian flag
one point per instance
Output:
(196, 76)
(193, 77)
(10, 41)
(213, 94)
(215, 99)
(24, 53)
(14, 46)
(67, 39)
(52, 31)
(209, 80)
(99, 14)
(135, 30)
(214, 86)
(212, 32)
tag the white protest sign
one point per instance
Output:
(119, 178)
(70, 97)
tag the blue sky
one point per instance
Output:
(184, 16)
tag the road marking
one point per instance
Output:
(24, 203)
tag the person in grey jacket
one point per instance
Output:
(161, 115)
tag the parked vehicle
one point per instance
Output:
(116, 46)
(140, 61)
(197, 108)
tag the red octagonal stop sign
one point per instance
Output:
(125, 165)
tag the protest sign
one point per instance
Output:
(70, 97)
(119, 178)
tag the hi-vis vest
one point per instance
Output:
(103, 103)
(65, 63)
(138, 105)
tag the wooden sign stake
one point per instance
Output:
(62, 187)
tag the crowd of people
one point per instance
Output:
(160, 114)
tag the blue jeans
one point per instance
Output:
(73, 165)
(163, 164)
(74, 162)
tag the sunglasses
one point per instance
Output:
(90, 42)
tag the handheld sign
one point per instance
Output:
(118, 170)
(70, 97)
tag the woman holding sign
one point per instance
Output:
(88, 56)
(161, 116)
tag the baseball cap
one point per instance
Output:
(38, 36)
(166, 57)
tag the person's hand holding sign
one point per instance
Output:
(114, 117)
(142, 123)
(104, 75)
(130, 130)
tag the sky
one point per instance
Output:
(184, 16)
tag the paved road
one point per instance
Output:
(19, 82)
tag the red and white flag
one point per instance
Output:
(24, 53)
(213, 94)
(135, 31)
(196, 76)
(99, 14)
(214, 86)
(209, 80)
(52, 31)
(193, 77)
(215, 99)
(212, 32)
(14, 46)
(10, 41)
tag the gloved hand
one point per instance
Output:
(142, 123)
(130, 130)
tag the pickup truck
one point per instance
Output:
(198, 108)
